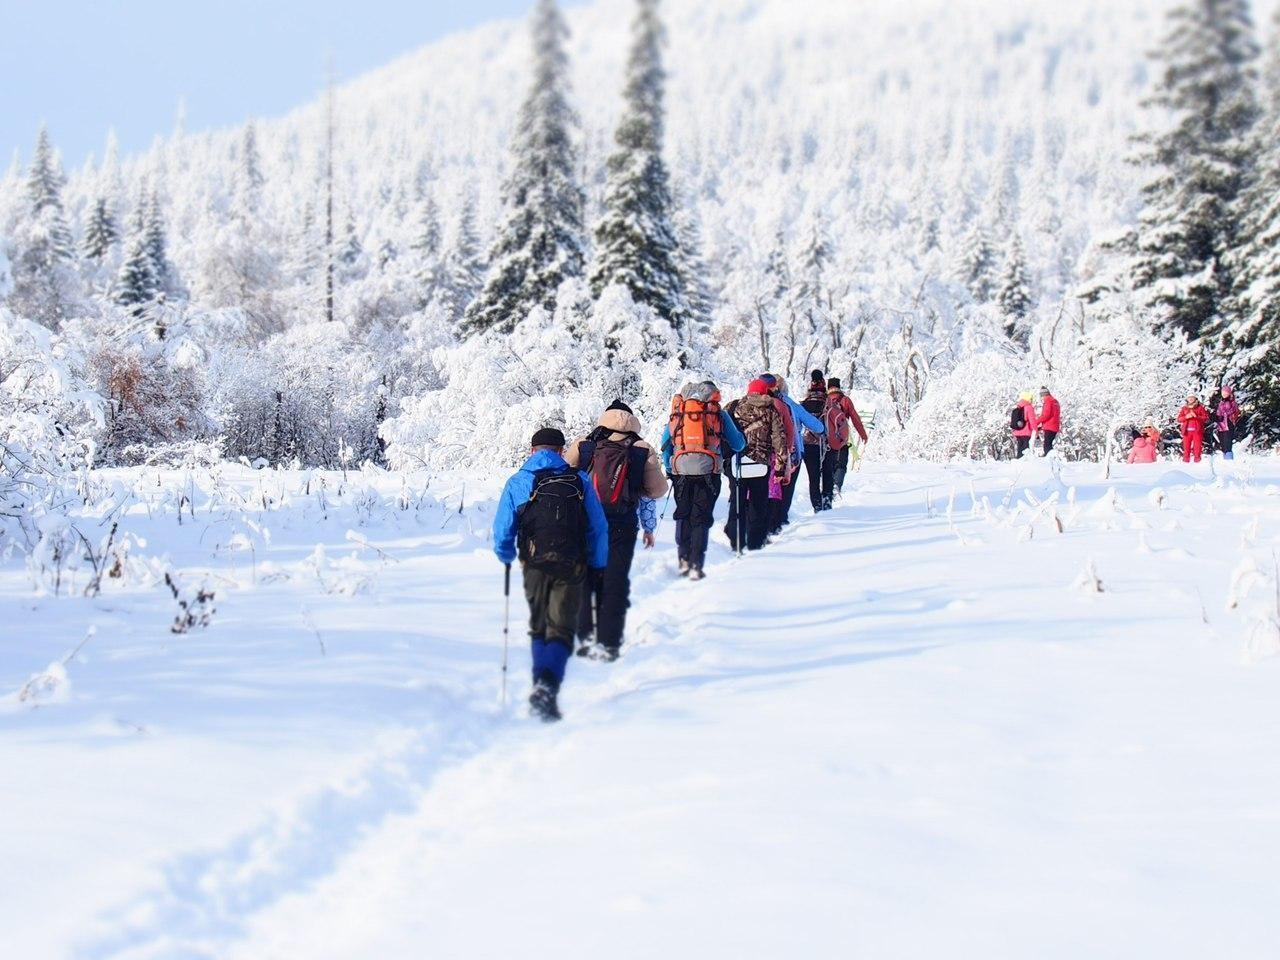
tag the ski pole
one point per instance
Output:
(506, 628)
(739, 527)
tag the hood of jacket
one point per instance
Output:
(543, 460)
(619, 421)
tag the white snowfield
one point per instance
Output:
(979, 710)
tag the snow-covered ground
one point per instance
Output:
(912, 728)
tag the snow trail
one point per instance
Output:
(900, 730)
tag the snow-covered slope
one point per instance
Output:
(911, 728)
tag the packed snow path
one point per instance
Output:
(911, 728)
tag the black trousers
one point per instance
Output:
(813, 466)
(1049, 437)
(1226, 439)
(695, 512)
(834, 466)
(1024, 443)
(554, 597)
(753, 513)
(614, 596)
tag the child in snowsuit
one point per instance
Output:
(1192, 419)
(1225, 418)
(550, 517)
(1146, 446)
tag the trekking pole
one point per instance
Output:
(739, 527)
(506, 629)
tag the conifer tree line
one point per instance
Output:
(340, 303)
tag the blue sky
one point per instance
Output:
(84, 66)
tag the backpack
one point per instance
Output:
(616, 468)
(1018, 418)
(553, 522)
(815, 403)
(696, 436)
(837, 421)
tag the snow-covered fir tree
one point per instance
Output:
(1014, 296)
(636, 244)
(427, 270)
(976, 265)
(1198, 161)
(541, 242)
(815, 259)
(45, 287)
(699, 300)
(101, 232)
(464, 268)
(156, 238)
(136, 285)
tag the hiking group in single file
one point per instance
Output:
(573, 514)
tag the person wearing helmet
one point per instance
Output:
(1022, 421)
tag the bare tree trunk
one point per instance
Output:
(328, 216)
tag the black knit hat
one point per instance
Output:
(619, 405)
(548, 437)
(833, 383)
(817, 378)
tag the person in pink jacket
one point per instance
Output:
(1146, 446)
(1022, 421)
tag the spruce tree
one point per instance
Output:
(699, 301)
(44, 281)
(1187, 229)
(157, 245)
(101, 232)
(636, 245)
(777, 268)
(1248, 349)
(814, 260)
(465, 268)
(975, 267)
(1014, 297)
(541, 242)
(427, 272)
(136, 285)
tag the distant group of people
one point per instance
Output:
(574, 513)
(1195, 422)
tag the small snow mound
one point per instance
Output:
(1088, 581)
(49, 686)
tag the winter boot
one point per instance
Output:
(542, 703)
(586, 646)
(607, 654)
(695, 573)
(684, 568)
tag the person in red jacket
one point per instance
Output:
(1023, 423)
(1192, 418)
(1049, 419)
(841, 419)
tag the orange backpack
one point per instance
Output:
(696, 435)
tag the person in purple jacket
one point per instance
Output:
(1226, 415)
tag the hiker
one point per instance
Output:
(549, 515)
(764, 463)
(1048, 420)
(1226, 416)
(840, 417)
(815, 441)
(1192, 419)
(1022, 420)
(628, 478)
(1146, 445)
(803, 423)
(692, 453)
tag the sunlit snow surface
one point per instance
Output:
(911, 728)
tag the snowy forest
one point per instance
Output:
(513, 226)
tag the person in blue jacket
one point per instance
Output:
(801, 420)
(550, 517)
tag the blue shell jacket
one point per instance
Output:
(516, 494)
(728, 429)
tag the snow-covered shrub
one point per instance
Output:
(305, 394)
(47, 417)
(500, 388)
